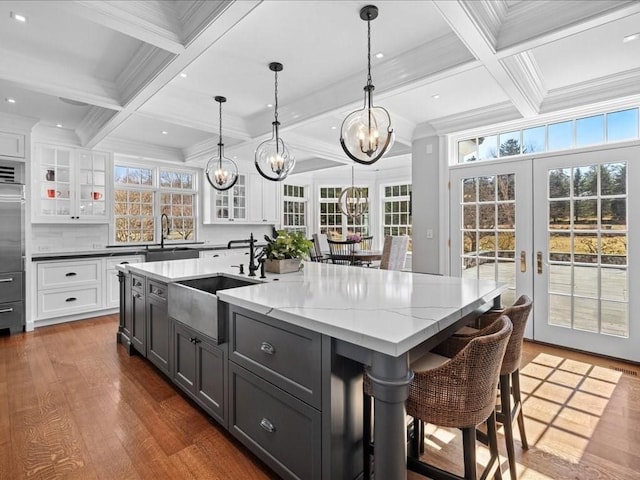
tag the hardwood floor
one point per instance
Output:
(74, 405)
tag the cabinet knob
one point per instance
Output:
(267, 425)
(267, 348)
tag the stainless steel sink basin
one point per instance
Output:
(195, 303)
(170, 253)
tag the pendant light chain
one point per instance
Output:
(369, 81)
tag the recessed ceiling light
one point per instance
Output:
(379, 55)
(630, 38)
(269, 105)
(10, 100)
(183, 75)
(18, 17)
(164, 132)
(436, 96)
(59, 125)
(333, 127)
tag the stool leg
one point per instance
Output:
(366, 436)
(415, 441)
(507, 421)
(469, 449)
(515, 385)
(492, 434)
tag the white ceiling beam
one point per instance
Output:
(466, 26)
(150, 21)
(531, 24)
(219, 21)
(46, 77)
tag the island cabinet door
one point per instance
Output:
(158, 337)
(210, 378)
(184, 358)
(138, 317)
(280, 429)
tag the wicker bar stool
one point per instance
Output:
(459, 393)
(509, 372)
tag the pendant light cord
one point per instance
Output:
(220, 144)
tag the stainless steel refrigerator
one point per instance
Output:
(11, 257)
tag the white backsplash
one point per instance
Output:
(74, 238)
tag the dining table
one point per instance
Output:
(359, 257)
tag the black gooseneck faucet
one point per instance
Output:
(253, 266)
(164, 217)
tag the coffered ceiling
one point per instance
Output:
(141, 68)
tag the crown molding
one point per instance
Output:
(197, 16)
(95, 118)
(526, 75)
(488, 17)
(147, 151)
(611, 87)
(61, 136)
(501, 112)
(151, 21)
(534, 23)
(144, 66)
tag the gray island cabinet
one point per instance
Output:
(283, 371)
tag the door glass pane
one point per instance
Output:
(506, 215)
(588, 277)
(486, 216)
(506, 187)
(486, 189)
(469, 190)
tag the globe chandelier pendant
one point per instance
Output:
(221, 172)
(353, 201)
(366, 134)
(273, 159)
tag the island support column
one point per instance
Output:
(390, 379)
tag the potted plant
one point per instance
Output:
(285, 252)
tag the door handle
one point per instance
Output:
(523, 261)
(539, 262)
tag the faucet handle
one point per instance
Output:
(241, 266)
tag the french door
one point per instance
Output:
(584, 239)
(491, 226)
(556, 228)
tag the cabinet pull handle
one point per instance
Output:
(5, 280)
(70, 274)
(6, 310)
(266, 347)
(124, 263)
(267, 425)
(157, 291)
(71, 299)
(195, 340)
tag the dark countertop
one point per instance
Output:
(124, 251)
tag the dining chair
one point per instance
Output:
(394, 253)
(320, 248)
(366, 243)
(518, 313)
(458, 392)
(342, 252)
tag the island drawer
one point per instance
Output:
(158, 290)
(137, 283)
(283, 431)
(288, 356)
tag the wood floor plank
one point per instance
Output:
(74, 405)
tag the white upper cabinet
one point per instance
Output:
(70, 185)
(11, 145)
(265, 198)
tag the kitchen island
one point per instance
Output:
(294, 349)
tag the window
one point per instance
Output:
(333, 222)
(396, 219)
(294, 216)
(618, 126)
(143, 193)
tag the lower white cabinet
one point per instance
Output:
(71, 287)
(113, 285)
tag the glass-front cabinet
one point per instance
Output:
(70, 185)
(227, 206)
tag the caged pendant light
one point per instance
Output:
(273, 160)
(221, 172)
(366, 134)
(353, 201)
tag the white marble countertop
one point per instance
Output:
(386, 311)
